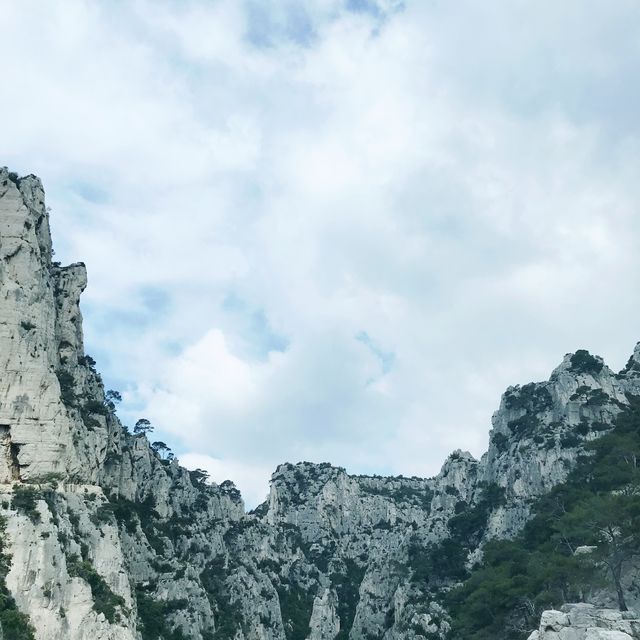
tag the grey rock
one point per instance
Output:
(587, 622)
(328, 555)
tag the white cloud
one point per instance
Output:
(458, 182)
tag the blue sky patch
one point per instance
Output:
(387, 358)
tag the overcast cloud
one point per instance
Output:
(333, 230)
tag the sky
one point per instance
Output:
(333, 230)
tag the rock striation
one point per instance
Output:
(108, 540)
(587, 622)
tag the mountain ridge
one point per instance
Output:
(108, 540)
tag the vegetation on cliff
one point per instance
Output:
(582, 537)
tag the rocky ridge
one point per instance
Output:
(109, 541)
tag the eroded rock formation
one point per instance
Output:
(107, 540)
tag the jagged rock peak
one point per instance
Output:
(41, 333)
(632, 368)
(581, 363)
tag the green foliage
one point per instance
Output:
(227, 612)
(611, 523)
(435, 564)
(104, 600)
(598, 505)
(632, 365)
(468, 525)
(530, 397)
(67, 388)
(591, 397)
(347, 586)
(438, 564)
(124, 512)
(142, 427)
(25, 500)
(87, 361)
(129, 514)
(505, 596)
(153, 617)
(104, 514)
(229, 489)
(523, 426)
(15, 625)
(583, 362)
(296, 606)
(420, 496)
(500, 441)
(96, 407)
(163, 451)
(113, 396)
(199, 477)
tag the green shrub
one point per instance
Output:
(469, 524)
(67, 388)
(436, 564)
(25, 500)
(583, 362)
(347, 586)
(538, 567)
(227, 612)
(95, 406)
(296, 606)
(87, 361)
(15, 625)
(153, 617)
(500, 441)
(531, 397)
(105, 601)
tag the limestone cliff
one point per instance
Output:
(106, 540)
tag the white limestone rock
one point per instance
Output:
(324, 623)
(59, 605)
(587, 622)
(323, 538)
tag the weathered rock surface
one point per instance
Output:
(107, 539)
(586, 622)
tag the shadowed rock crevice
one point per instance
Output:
(9, 465)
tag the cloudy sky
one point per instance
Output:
(333, 230)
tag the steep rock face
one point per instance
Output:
(540, 429)
(37, 432)
(46, 542)
(56, 424)
(109, 540)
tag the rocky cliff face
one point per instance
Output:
(107, 540)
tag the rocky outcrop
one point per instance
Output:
(586, 622)
(108, 540)
(67, 591)
(56, 424)
(540, 430)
